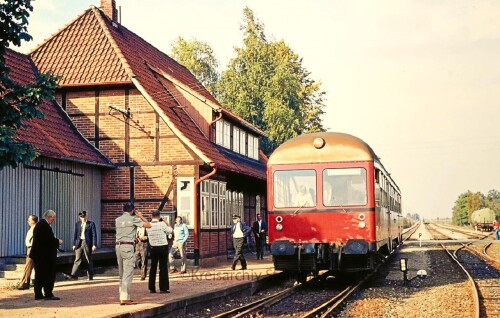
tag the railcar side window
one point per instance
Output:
(294, 188)
(343, 187)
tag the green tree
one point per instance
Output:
(474, 202)
(199, 58)
(267, 85)
(493, 202)
(18, 102)
(460, 214)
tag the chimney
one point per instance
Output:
(109, 9)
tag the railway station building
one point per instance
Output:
(173, 146)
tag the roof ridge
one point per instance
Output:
(112, 41)
(58, 32)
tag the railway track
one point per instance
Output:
(308, 298)
(482, 275)
(305, 300)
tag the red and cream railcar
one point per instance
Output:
(332, 205)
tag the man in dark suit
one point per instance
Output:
(44, 253)
(259, 230)
(84, 242)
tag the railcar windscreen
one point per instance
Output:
(342, 187)
(294, 188)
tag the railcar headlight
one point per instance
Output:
(361, 217)
(279, 227)
(362, 225)
(279, 219)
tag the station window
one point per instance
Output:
(223, 133)
(243, 143)
(257, 205)
(236, 139)
(343, 187)
(213, 204)
(294, 188)
(253, 147)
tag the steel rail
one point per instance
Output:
(334, 302)
(475, 294)
(256, 304)
(265, 302)
(339, 299)
(454, 257)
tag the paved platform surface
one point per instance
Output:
(99, 298)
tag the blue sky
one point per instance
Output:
(417, 80)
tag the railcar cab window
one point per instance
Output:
(294, 188)
(342, 187)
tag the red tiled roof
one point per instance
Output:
(53, 136)
(81, 54)
(125, 53)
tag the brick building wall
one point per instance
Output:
(146, 151)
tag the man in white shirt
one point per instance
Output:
(25, 281)
(157, 235)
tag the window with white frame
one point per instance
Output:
(257, 205)
(223, 133)
(253, 147)
(229, 207)
(236, 139)
(204, 203)
(219, 135)
(227, 135)
(241, 205)
(213, 204)
(222, 205)
(243, 142)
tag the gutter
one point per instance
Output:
(197, 214)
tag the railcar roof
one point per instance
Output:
(338, 147)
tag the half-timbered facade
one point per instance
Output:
(175, 147)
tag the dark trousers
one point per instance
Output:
(141, 257)
(45, 271)
(238, 252)
(260, 240)
(84, 249)
(159, 254)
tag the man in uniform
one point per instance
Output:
(240, 231)
(126, 228)
(259, 231)
(84, 243)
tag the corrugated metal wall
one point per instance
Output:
(25, 191)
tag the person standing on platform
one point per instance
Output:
(239, 230)
(44, 253)
(126, 228)
(26, 280)
(181, 235)
(496, 225)
(141, 251)
(84, 242)
(259, 229)
(159, 252)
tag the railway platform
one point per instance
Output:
(99, 297)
